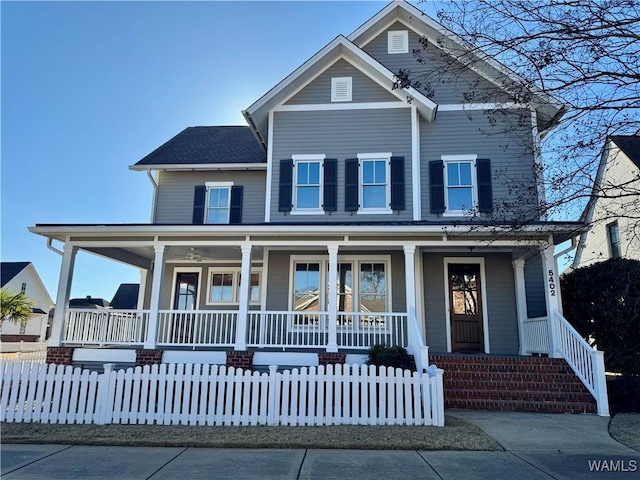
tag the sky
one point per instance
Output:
(89, 88)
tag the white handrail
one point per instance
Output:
(197, 327)
(105, 326)
(416, 346)
(587, 363)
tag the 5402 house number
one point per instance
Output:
(552, 283)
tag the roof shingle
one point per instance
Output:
(630, 145)
(8, 270)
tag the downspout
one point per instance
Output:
(52, 248)
(155, 191)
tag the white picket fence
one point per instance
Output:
(33, 357)
(195, 394)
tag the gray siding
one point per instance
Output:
(500, 308)
(534, 285)
(363, 88)
(450, 88)
(342, 134)
(512, 161)
(174, 202)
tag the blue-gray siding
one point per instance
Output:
(534, 280)
(452, 87)
(510, 152)
(174, 201)
(342, 134)
(363, 88)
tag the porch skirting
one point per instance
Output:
(240, 359)
(148, 357)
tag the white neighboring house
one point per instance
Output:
(23, 277)
(613, 211)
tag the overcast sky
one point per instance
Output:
(90, 88)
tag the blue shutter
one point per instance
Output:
(351, 185)
(286, 183)
(485, 194)
(199, 197)
(436, 186)
(397, 183)
(330, 192)
(235, 205)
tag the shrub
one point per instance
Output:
(397, 357)
(602, 302)
(624, 394)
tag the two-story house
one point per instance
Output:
(612, 210)
(346, 213)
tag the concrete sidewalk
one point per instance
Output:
(537, 446)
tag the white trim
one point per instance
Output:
(235, 284)
(344, 83)
(394, 36)
(177, 270)
(460, 107)
(483, 292)
(369, 157)
(307, 158)
(415, 165)
(267, 200)
(311, 107)
(265, 278)
(207, 207)
(460, 158)
(446, 159)
(218, 184)
(200, 166)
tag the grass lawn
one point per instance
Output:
(625, 428)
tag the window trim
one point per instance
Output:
(404, 35)
(334, 83)
(235, 272)
(307, 158)
(213, 185)
(610, 240)
(448, 159)
(364, 157)
(178, 270)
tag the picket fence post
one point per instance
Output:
(104, 413)
(271, 406)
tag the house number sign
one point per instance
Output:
(552, 283)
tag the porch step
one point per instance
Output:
(511, 383)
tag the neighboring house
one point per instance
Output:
(88, 302)
(347, 213)
(126, 297)
(22, 277)
(612, 211)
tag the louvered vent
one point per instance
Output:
(341, 89)
(398, 41)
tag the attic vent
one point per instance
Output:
(398, 41)
(341, 89)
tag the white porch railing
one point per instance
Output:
(105, 327)
(535, 335)
(355, 330)
(197, 327)
(587, 363)
(416, 346)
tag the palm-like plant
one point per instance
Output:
(15, 307)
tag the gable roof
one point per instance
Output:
(206, 146)
(340, 47)
(8, 270)
(126, 296)
(630, 146)
(547, 107)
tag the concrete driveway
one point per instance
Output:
(537, 446)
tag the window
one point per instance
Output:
(185, 290)
(398, 41)
(374, 183)
(306, 287)
(341, 89)
(614, 240)
(307, 191)
(218, 202)
(373, 287)
(224, 286)
(23, 287)
(460, 185)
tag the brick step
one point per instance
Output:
(507, 371)
(520, 395)
(523, 377)
(489, 386)
(520, 406)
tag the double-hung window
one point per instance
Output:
(461, 195)
(218, 202)
(224, 286)
(307, 191)
(375, 185)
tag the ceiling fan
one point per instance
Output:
(193, 256)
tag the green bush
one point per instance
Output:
(624, 394)
(602, 302)
(397, 357)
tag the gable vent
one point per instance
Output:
(341, 89)
(398, 41)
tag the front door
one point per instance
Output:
(185, 297)
(465, 308)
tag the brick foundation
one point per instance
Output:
(326, 358)
(60, 355)
(19, 338)
(148, 357)
(240, 359)
(516, 384)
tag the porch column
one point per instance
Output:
(410, 277)
(551, 286)
(64, 290)
(521, 300)
(332, 341)
(243, 307)
(142, 291)
(154, 303)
